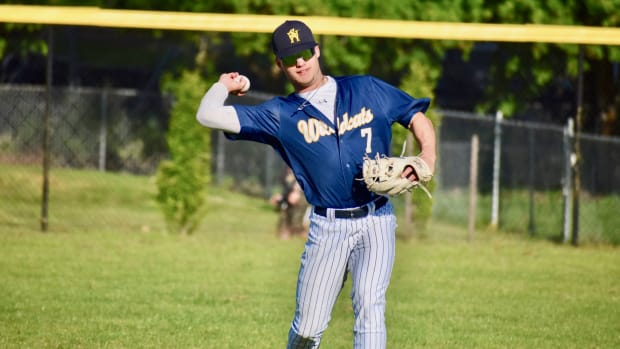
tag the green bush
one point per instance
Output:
(182, 180)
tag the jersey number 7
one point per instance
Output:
(367, 133)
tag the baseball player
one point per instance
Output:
(323, 131)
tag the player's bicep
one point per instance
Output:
(221, 118)
(213, 114)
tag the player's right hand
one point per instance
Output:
(233, 85)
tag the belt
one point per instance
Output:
(358, 212)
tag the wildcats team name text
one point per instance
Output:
(314, 129)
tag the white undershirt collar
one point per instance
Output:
(323, 98)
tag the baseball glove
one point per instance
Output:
(382, 174)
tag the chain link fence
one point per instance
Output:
(123, 131)
(96, 128)
(93, 132)
(531, 165)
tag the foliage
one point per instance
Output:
(522, 73)
(182, 180)
(18, 41)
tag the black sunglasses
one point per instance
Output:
(291, 60)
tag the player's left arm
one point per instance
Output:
(423, 131)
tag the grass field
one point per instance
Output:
(106, 275)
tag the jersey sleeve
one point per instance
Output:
(399, 106)
(259, 123)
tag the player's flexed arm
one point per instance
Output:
(424, 133)
(212, 113)
(396, 175)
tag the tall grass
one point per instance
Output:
(540, 216)
(125, 283)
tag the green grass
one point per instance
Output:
(117, 280)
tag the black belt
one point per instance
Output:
(352, 212)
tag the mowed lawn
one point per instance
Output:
(128, 284)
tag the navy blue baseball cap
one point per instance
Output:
(291, 37)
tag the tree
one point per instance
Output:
(523, 74)
(182, 180)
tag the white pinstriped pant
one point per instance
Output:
(363, 246)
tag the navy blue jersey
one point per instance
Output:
(327, 157)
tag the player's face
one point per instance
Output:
(303, 71)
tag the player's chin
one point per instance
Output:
(306, 82)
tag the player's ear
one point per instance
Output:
(318, 51)
(279, 63)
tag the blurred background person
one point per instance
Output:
(292, 207)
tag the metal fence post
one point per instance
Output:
(567, 185)
(577, 151)
(473, 184)
(497, 151)
(47, 129)
(531, 181)
(103, 129)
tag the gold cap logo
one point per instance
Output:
(293, 35)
